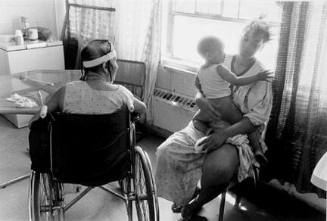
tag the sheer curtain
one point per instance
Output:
(134, 27)
(297, 131)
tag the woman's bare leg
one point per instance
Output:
(218, 170)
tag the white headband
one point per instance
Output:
(100, 60)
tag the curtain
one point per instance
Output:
(134, 27)
(297, 131)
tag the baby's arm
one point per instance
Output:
(198, 85)
(230, 77)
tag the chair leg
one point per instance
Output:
(222, 206)
(15, 180)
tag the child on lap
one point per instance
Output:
(213, 82)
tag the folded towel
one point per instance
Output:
(22, 101)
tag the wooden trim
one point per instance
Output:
(93, 7)
(170, 25)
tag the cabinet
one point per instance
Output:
(27, 57)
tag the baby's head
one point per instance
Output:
(98, 56)
(211, 49)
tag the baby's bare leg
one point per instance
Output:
(231, 114)
(201, 121)
(201, 116)
(254, 139)
(228, 110)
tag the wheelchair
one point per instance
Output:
(90, 150)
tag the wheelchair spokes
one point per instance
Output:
(142, 206)
(145, 196)
(137, 183)
(45, 198)
(126, 189)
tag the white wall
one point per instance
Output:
(38, 12)
(180, 82)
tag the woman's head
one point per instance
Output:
(255, 35)
(98, 56)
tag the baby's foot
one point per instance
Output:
(260, 157)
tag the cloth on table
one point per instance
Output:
(22, 101)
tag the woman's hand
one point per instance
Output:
(265, 75)
(214, 141)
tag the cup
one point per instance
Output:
(32, 34)
(19, 40)
(18, 32)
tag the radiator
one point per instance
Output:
(172, 111)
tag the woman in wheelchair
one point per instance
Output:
(95, 93)
(88, 138)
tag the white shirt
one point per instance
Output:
(212, 85)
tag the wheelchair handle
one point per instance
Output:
(44, 108)
(43, 112)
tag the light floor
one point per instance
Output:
(269, 205)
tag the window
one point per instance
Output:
(188, 21)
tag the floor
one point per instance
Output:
(266, 203)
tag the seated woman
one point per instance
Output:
(228, 155)
(95, 92)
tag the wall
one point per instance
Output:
(39, 12)
(174, 80)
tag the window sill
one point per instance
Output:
(179, 66)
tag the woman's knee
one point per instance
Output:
(221, 164)
(163, 150)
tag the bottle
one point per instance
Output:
(19, 39)
(24, 25)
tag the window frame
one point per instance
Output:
(168, 59)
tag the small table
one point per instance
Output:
(319, 175)
(24, 83)
(45, 81)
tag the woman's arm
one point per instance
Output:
(56, 100)
(259, 104)
(54, 103)
(216, 139)
(139, 106)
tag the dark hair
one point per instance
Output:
(206, 44)
(95, 49)
(259, 27)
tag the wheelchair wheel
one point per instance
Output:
(126, 188)
(46, 201)
(145, 191)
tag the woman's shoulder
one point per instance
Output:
(75, 83)
(123, 89)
